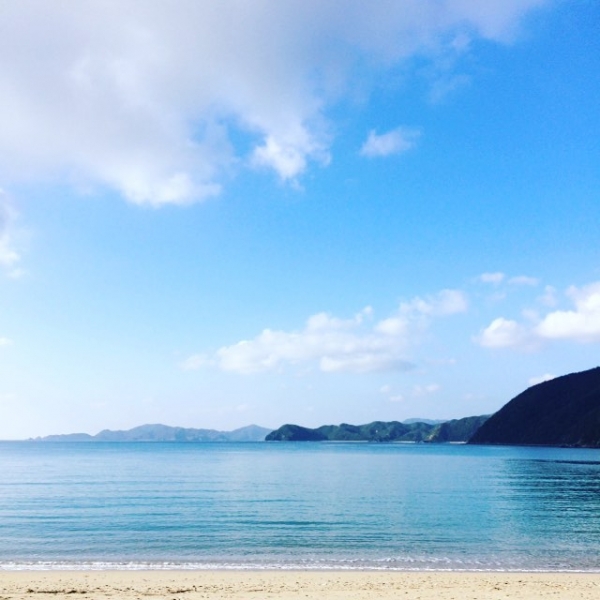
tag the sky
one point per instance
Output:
(218, 213)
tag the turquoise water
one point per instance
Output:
(305, 505)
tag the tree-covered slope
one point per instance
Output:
(561, 412)
(459, 430)
(295, 433)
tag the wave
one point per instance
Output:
(400, 565)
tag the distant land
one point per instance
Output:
(561, 412)
(564, 411)
(456, 430)
(411, 430)
(165, 433)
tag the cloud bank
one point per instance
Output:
(332, 345)
(145, 97)
(364, 344)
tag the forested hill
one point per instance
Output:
(561, 412)
(458, 430)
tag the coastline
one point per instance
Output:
(292, 585)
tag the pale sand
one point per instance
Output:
(288, 585)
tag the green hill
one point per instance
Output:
(561, 412)
(458, 430)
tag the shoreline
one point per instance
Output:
(125, 568)
(296, 584)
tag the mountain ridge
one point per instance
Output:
(164, 433)
(454, 430)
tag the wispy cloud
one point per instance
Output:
(495, 278)
(502, 283)
(145, 100)
(548, 298)
(524, 280)
(331, 344)
(395, 141)
(426, 390)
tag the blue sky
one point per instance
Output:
(221, 213)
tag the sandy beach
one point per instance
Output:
(355, 585)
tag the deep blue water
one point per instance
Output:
(305, 505)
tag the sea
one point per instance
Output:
(310, 505)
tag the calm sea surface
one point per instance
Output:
(304, 505)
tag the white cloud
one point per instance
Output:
(4, 341)
(143, 96)
(541, 379)
(494, 278)
(9, 256)
(334, 345)
(445, 302)
(581, 324)
(503, 333)
(329, 343)
(396, 141)
(289, 158)
(418, 312)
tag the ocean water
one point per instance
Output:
(298, 505)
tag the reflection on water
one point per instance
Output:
(311, 505)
